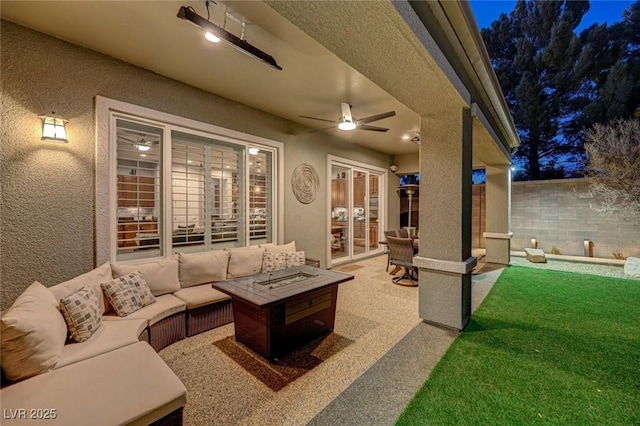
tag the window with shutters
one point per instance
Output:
(139, 188)
(180, 189)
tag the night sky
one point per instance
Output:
(487, 11)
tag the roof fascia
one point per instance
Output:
(453, 27)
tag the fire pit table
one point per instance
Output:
(277, 312)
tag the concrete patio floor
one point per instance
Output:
(365, 372)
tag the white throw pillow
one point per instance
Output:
(295, 259)
(282, 248)
(202, 268)
(128, 293)
(93, 278)
(32, 334)
(161, 276)
(81, 311)
(244, 262)
(273, 261)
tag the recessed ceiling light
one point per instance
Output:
(253, 151)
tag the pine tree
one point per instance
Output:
(535, 52)
(608, 71)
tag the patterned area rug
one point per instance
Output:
(349, 268)
(287, 369)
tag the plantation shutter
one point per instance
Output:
(260, 196)
(139, 190)
(206, 194)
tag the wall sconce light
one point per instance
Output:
(534, 243)
(393, 168)
(53, 129)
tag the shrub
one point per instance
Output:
(613, 168)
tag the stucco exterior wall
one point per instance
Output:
(558, 212)
(48, 219)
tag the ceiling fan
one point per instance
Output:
(139, 141)
(348, 122)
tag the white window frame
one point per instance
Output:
(107, 111)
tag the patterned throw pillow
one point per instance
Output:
(128, 293)
(82, 312)
(273, 261)
(295, 258)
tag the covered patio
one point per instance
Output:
(423, 60)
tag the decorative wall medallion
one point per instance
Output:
(305, 183)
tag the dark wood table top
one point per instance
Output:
(266, 289)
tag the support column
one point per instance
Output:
(498, 213)
(444, 258)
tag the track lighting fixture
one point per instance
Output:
(213, 32)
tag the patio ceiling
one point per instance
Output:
(313, 82)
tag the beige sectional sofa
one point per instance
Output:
(118, 316)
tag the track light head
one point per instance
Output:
(187, 13)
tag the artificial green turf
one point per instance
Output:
(545, 347)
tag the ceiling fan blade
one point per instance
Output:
(127, 139)
(346, 111)
(319, 119)
(377, 117)
(372, 128)
(319, 130)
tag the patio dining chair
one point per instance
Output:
(388, 234)
(403, 233)
(401, 254)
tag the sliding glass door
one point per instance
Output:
(355, 210)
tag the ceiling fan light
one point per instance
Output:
(142, 147)
(346, 125)
(212, 37)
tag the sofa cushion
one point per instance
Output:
(110, 389)
(282, 248)
(200, 295)
(201, 268)
(272, 261)
(128, 293)
(296, 258)
(93, 278)
(32, 334)
(82, 312)
(161, 276)
(244, 262)
(111, 335)
(164, 306)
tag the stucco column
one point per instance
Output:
(498, 204)
(444, 258)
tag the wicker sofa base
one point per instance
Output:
(172, 419)
(208, 317)
(167, 331)
(144, 336)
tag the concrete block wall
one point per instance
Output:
(558, 212)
